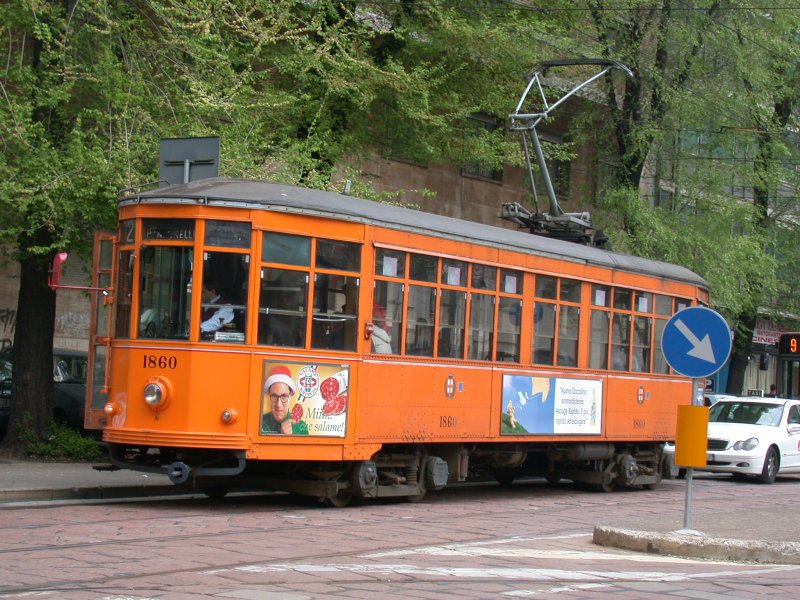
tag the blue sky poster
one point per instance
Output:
(550, 405)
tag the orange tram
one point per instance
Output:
(259, 335)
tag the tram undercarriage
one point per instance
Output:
(402, 471)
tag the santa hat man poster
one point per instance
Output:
(280, 374)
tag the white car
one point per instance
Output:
(748, 436)
(754, 436)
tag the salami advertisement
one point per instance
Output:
(303, 399)
(539, 405)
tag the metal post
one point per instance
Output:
(687, 509)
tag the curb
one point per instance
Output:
(91, 493)
(698, 545)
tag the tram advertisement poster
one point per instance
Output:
(304, 399)
(538, 405)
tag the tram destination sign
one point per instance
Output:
(696, 342)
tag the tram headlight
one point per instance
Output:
(229, 416)
(157, 393)
(112, 408)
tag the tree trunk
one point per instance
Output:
(32, 386)
(740, 354)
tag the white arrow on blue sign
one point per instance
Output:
(696, 342)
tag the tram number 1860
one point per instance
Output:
(159, 361)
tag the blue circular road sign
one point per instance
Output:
(696, 342)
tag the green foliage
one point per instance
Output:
(61, 442)
(717, 239)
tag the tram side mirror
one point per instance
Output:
(54, 278)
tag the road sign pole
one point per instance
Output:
(696, 342)
(687, 509)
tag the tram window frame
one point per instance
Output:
(283, 309)
(325, 278)
(508, 338)
(570, 293)
(124, 305)
(642, 332)
(225, 280)
(168, 318)
(126, 265)
(388, 300)
(557, 320)
(418, 340)
(481, 325)
(388, 315)
(545, 319)
(459, 304)
(227, 273)
(335, 306)
(600, 326)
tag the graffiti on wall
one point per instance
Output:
(67, 325)
(71, 324)
(8, 321)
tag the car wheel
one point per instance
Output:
(770, 469)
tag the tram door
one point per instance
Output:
(789, 365)
(99, 340)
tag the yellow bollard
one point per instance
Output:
(691, 443)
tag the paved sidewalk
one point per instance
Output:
(22, 480)
(766, 535)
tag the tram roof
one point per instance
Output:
(266, 195)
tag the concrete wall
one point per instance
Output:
(72, 307)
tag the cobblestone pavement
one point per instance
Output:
(470, 542)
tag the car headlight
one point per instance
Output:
(747, 444)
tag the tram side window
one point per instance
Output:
(452, 309)
(124, 294)
(165, 291)
(387, 302)
(663, 308)
(419, 324)
(223, 310)
(642, 333)
(509, 317)
(544, 320)
(600, 320)
(481, 327)
(283, 298)
(387, 317)
(282, 311)
(620, 341)
(335, 313)
(569, 318)
(508, 329)
(642, 326)
(335, 309)
(452, 314)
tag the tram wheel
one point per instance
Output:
(504, 477)
(653, 486)
(216, 492)
(340, 500)
(606, 488)
(553, 478)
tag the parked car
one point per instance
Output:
(712, 399)
(69, 388)
(750, 437)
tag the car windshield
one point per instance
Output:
(749, 413)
